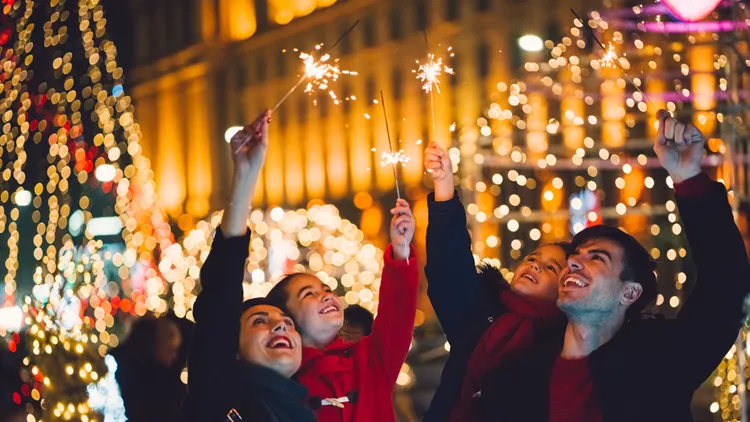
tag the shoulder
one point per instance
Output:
(491, 279)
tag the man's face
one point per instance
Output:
(268, 338)
(591, 282)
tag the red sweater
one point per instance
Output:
(371, 365)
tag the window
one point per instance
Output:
(421, 14)
(323, 103)
(484, 60)
(346, 92)
(368, 31)
(260, 69)
(280, 64)
(396, 27)
(397, 83)
(451, 10)
(454, 78)
(302, 110)
(483, 5)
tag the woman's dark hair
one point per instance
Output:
(359, 317)
(637, 264)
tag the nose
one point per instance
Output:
(574, 263)
(280, 327)
(327, 297)
(535, 266)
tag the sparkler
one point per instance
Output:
(610, 57)
(429, 73)
(319, 74)
(393, 158)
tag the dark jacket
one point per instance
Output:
(651, 368)
(217, 381)
(465, 302)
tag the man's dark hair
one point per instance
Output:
(637, 265)
(360, 317)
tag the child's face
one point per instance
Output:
(268, 338)
(317, 310)
(538, 274)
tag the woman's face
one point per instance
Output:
(538, 274)
(268, 338)
(317, 310)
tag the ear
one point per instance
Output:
(631, 293)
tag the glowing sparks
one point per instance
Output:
(609, 58)
(394, 158)
(321, 73)
(429, 73)
(453, 127)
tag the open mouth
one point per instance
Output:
(279, 342)
(575, 282)
(329, 309)
(530, 278)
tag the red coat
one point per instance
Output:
(371, 365)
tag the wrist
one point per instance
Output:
(400, 252)
(680, 177)
(444, 191)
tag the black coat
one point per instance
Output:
(217, 381)
(465, 302)
(651, 368)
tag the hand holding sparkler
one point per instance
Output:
(251, 143)
(679, 147)
(438, 164)
(403, 226)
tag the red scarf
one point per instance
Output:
(511, 335)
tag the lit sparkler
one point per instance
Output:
(429, 74)
(394, 158)
(609, 58)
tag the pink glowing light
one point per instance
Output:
(691, 10)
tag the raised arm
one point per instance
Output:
(213, 350)
(452, 278)
(710, 319)
(393, 328)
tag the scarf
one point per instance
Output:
(508, 337)
(281, 398)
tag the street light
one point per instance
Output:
(22, 198)
(531, 43)
(231, 132)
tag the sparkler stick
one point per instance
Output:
(610, 56)
(313, 69)
(386, 158)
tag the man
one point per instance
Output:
(610, 364)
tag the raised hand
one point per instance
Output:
(402, 229)
(679, 147)
(438, 164)
(248, 148)
(250, 145)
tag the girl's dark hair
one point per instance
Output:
(279, 295)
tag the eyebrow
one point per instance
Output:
(600, 251)
(261, 313)
(302, 290)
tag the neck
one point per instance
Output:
(582, 337)
(319, 342)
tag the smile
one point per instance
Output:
(574, 282)
(530, 277)
(329, 309)
(279, 342)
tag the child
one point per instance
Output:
(485, 322)
(355, 381)
(242, 355)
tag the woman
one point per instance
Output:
(485, 320)
(355, 381)
(242, 355)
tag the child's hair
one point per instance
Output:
(278, 295)
(359, 317)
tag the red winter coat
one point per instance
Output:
(370, 366)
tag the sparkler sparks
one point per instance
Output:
(609, 57)
(429, 73)
(394, 158)
(321, 73)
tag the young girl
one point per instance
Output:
(243, 354)
(355, 381)
(485, 321)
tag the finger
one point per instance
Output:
(669, 125)
(679, 133)
(402, 202)
(693, 135)
(662, 116)
(398, 220)
(434, 151)
(433, 165)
